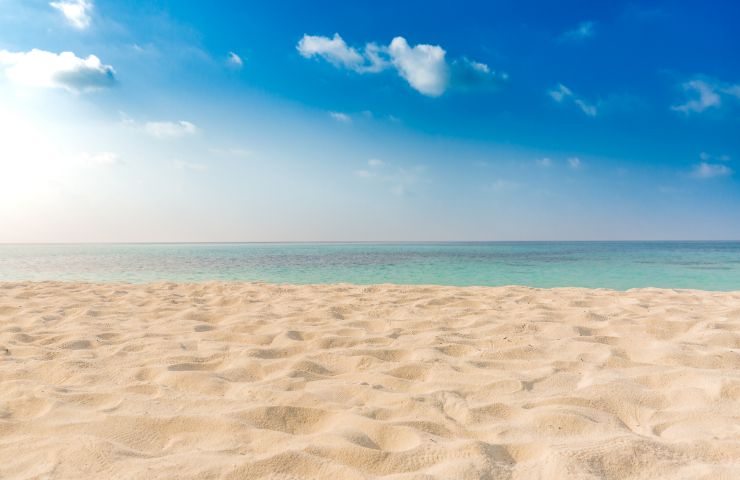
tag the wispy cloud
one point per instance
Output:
(340, 117)
(424, 67)
(77, 12)
(562, 94)
(704, 93)
(706, 170)
(39, 68)
(711, 166)
(234, 60)
(176, 129)
(584, 30)
(402, 180)
(575, 163)
(544, 162)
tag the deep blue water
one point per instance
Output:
(618, 265)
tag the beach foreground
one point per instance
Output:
(240, 380)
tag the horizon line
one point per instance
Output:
(338, 242)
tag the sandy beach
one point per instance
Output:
(243, 380)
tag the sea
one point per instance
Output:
(613, 265)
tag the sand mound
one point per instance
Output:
(349, 382)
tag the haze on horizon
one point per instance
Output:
(360, 121)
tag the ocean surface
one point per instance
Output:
(617, 265)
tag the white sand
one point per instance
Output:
(351, 382)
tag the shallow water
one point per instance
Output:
(617, 265)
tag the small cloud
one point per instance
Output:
(560, 93)
(77, 12)
(563, 94)
(706, 157)
(585, 107)
(340, 117)
(575, 163)
(234, 60)
(170, 129)
(544, 162)
(375, 162)
(701, 95)
(39, 68)
(196, 167)
(709, 168)
(581, 32)
(705, 170)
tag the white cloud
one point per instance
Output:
(423, 66)
(77, 12)
(39, 68)
(582, 31)
(574, 163)
(706, 170)
(544, 162)
(702, 95)
(563, 94)
(170, 129)
(340, 117)
(235, 60)
(375, 162)
(333, 50)
(560, 92)
(587, 108)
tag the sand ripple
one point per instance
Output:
(228, 380)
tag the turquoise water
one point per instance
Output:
(618, 265)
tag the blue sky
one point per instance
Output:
(186, 121)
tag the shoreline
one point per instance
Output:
(170, 283)
(258, 380)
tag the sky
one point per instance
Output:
(158, 121)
